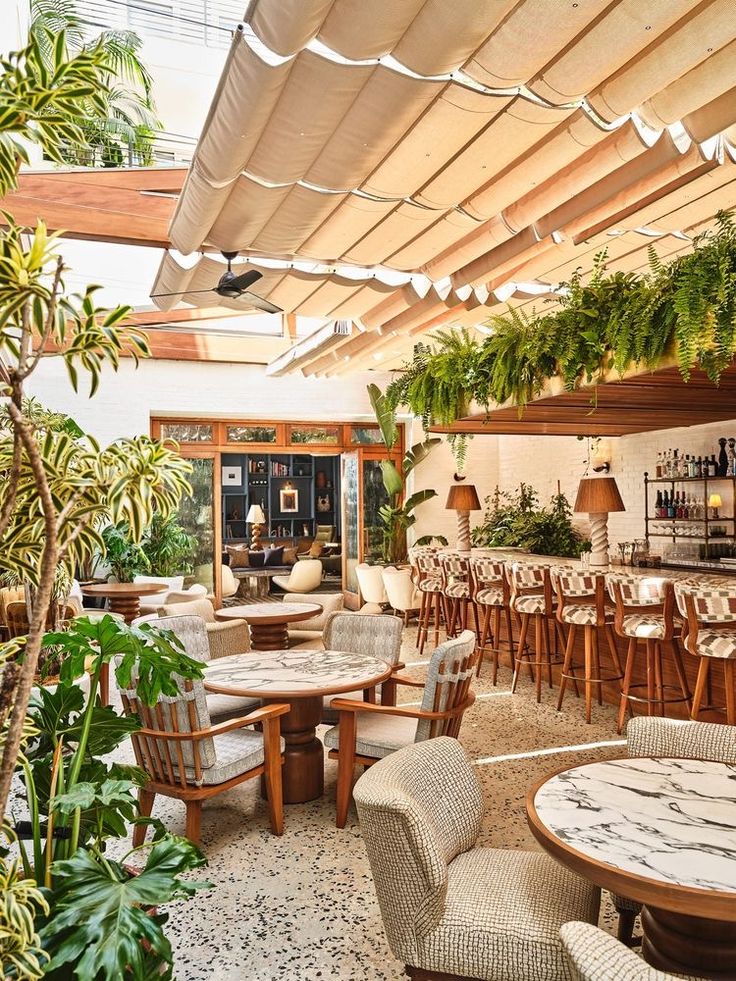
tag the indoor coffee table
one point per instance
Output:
(268, 621)
(658, 831)
(301, 678)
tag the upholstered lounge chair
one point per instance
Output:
(596, 956)
(304, 577)
(308, 634)
(452, 909)
(225, 637)
(367, 732)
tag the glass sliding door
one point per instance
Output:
(350, 525)
(200, 518)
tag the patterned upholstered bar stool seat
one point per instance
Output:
(581, 603)
(711, 636)
(531, 598)
(492, 598)
(458, 593)
(430, 582)
(645, 613)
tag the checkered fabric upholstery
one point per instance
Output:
(361, 633)
(652, 736)
(583, 615)
(527, 575)
(596, 956)
(458, 590)
(429, 569)
(457, 576)
(487, 572)
(530, 603)
(715, 643)
(447, 905)
(574, 584)
(638, 590)
(490, 596)
(714, 605)
(643, 625)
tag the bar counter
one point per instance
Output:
(611, 689)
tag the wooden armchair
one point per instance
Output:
(191, 760)
(368, 732)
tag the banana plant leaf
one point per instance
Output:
(392, 479)
(385, 416)
(419, 498)
(417, 454)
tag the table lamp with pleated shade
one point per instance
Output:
(598, 496)
(463, 498)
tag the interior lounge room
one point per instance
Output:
(368, 490)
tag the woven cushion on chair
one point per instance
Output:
(716, 643)
(533, 603)
(377, 735)
(490, 596)
(643, 625)
(236, 752)
(583, 615)
(430, 585)
(502, 916)
(458, 590)
(594, 955)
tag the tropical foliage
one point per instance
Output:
(120, 123)
(397, 515)
(165, 549)
(685, 308)
(517, 520)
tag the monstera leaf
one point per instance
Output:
(101, 926)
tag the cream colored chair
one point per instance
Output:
(401, 593)
(230, 584)
(195, 591)
(372, 591)
(307, 634)
(149, 604)
(225, 638)
(595, 956)
(304, 577)
(450, 908)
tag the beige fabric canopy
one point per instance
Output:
(492, 143)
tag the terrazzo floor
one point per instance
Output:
(302, 907)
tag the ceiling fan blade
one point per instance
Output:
(180, 293)
(245, 280)
(259, 303)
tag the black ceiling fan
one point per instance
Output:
(233, 287)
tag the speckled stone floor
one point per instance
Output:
(302, 907)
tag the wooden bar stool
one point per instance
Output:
(581, 602)
(431, 584)
(492, 599)
(711, 636)
(645, 608)
(457, 591)
(531, 597)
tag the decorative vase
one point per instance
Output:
(722, 458)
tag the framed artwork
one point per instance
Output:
(232, 476)
(289, 500)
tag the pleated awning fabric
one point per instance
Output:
(478, 140)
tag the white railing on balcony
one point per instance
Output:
(205, 22)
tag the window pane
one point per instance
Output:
(315, 434)
(251, 434)
(187, 432)
(366, 435)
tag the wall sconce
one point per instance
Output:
(600, 460)
(714, 502)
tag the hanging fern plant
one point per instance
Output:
(686, 307)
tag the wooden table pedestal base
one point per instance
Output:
(269, 637)
(303, 773)
(685, 944)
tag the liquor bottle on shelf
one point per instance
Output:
(722, 458)
(699, 467)
(675, 464)
(671, 506)
(660, 467)
(658, 505)
(731, 471)
(712, 466)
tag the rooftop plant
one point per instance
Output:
(685, 308)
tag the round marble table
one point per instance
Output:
(301, 678)
(124, 598)
(268, 621)
(659, 831)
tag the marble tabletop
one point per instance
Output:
(295, 673)
(670, 821)
(271, 612)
